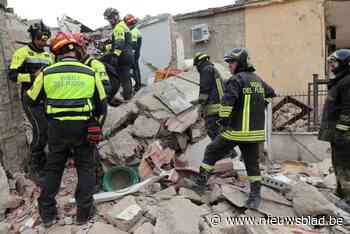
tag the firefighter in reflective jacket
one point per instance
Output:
(25, 64)
(92, 62)
(75, 102)
(242, 116)
(210, 93)
(335, 125)
(136, 43)
(121, 51)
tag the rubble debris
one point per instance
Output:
(146, 228)
(99, 228)
(120, 115)
(183, 121)
(154, 160)
(308, 201)
(279, 182)
(304, 110)
(125, 213)
(191, 195)
(60, 230)
(178, 215)
(4, 228)
(145, 127)
(166, 193)
(234, 195)
(4, 194)
(123, 146)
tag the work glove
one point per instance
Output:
(94, 132)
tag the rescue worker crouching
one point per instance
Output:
(242, 116)
(121, 54)
(335, 124)
(26, 63)
(136, 43)
(74, 100)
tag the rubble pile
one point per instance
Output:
(287, 112)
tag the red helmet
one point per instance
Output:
(61, 40)
(130, 19)
(81, 39)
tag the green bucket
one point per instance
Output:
(119, 178)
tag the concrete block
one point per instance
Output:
(166, 193)
(4, 193)
(178, 215)
(99, 228)
(234, 196)
(125, 213)
(190, 194)
(183, 121)
(123, 145)
(4, 228)
(145, 127)
(146, 228)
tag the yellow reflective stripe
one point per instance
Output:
(254, 178)
(23, 78)
(34, 91)
(213, 108)
(100, 89)
(225, 111)
(72, 118)
(269, 100)
(241, 133)
(202, 56)
(342, 127)
(246, 113)
(258, 135)
(117, 52)
(219, 88)
(207, 167)
(243, 139)
(54, 110)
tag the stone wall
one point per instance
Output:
(13, 144)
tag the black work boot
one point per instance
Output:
(254, 198)
(84, 215)
(343, 204)
(202, 179)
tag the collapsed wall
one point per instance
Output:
(13, 144)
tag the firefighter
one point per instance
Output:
(25, 64)
(242, 116)
(75, 101)
(210, 93)
(335, 125)
(122, 57)
(136, 43)
(99, 68)
(94, 63)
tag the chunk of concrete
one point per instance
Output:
(146, 228)
(330, 181)
(182, 122)
(123, 145)
(120, 115)
(166, 193)
(216, 194)
(234, 195)
(60, 230)
(4, 228)
(100, 228)
(125, 213)
(4, 193)
(307, 200)
(145, 127)
(190, 194)
(178, 215)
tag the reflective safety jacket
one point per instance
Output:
(335, 125)
(71, 91)
(136, 41)
(211, 88)
(121, 38)
(243, 106)
(99, 68)
(26, 61)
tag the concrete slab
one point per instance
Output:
(99, 228)
(125, 213)
(145, 127)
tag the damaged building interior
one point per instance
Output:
(153, 144)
